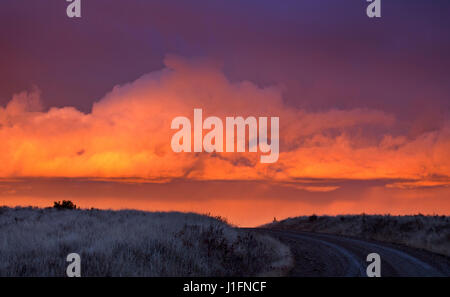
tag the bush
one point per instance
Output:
(312, 218)
(65, 204)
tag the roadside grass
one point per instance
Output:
(430, 233)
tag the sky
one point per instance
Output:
(86, 105)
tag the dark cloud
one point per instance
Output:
(325, 53)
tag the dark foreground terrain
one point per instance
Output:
(414, 245)
(431, 233)
(36, 242)
(332, 255)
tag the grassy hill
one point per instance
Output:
(431, 233)
(36, 242)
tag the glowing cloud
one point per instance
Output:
(128, 135)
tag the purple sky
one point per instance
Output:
(326, 53)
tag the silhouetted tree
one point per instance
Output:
(312, 218)
(65, 204)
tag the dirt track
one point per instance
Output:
(331, 255)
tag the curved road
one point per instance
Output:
(317, 254)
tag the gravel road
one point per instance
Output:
(318, 254)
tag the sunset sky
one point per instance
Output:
(364, 105)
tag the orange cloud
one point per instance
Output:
(127, 135)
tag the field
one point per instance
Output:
(430, 233)
(36, 242)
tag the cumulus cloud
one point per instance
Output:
(127, 135)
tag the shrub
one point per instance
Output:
(65, 204)
(312, 218)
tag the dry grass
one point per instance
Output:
(431, 233)
(35, 242)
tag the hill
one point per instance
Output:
(36, 242)
(431, 233)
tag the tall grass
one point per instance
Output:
(36, 242)
(431, 233)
